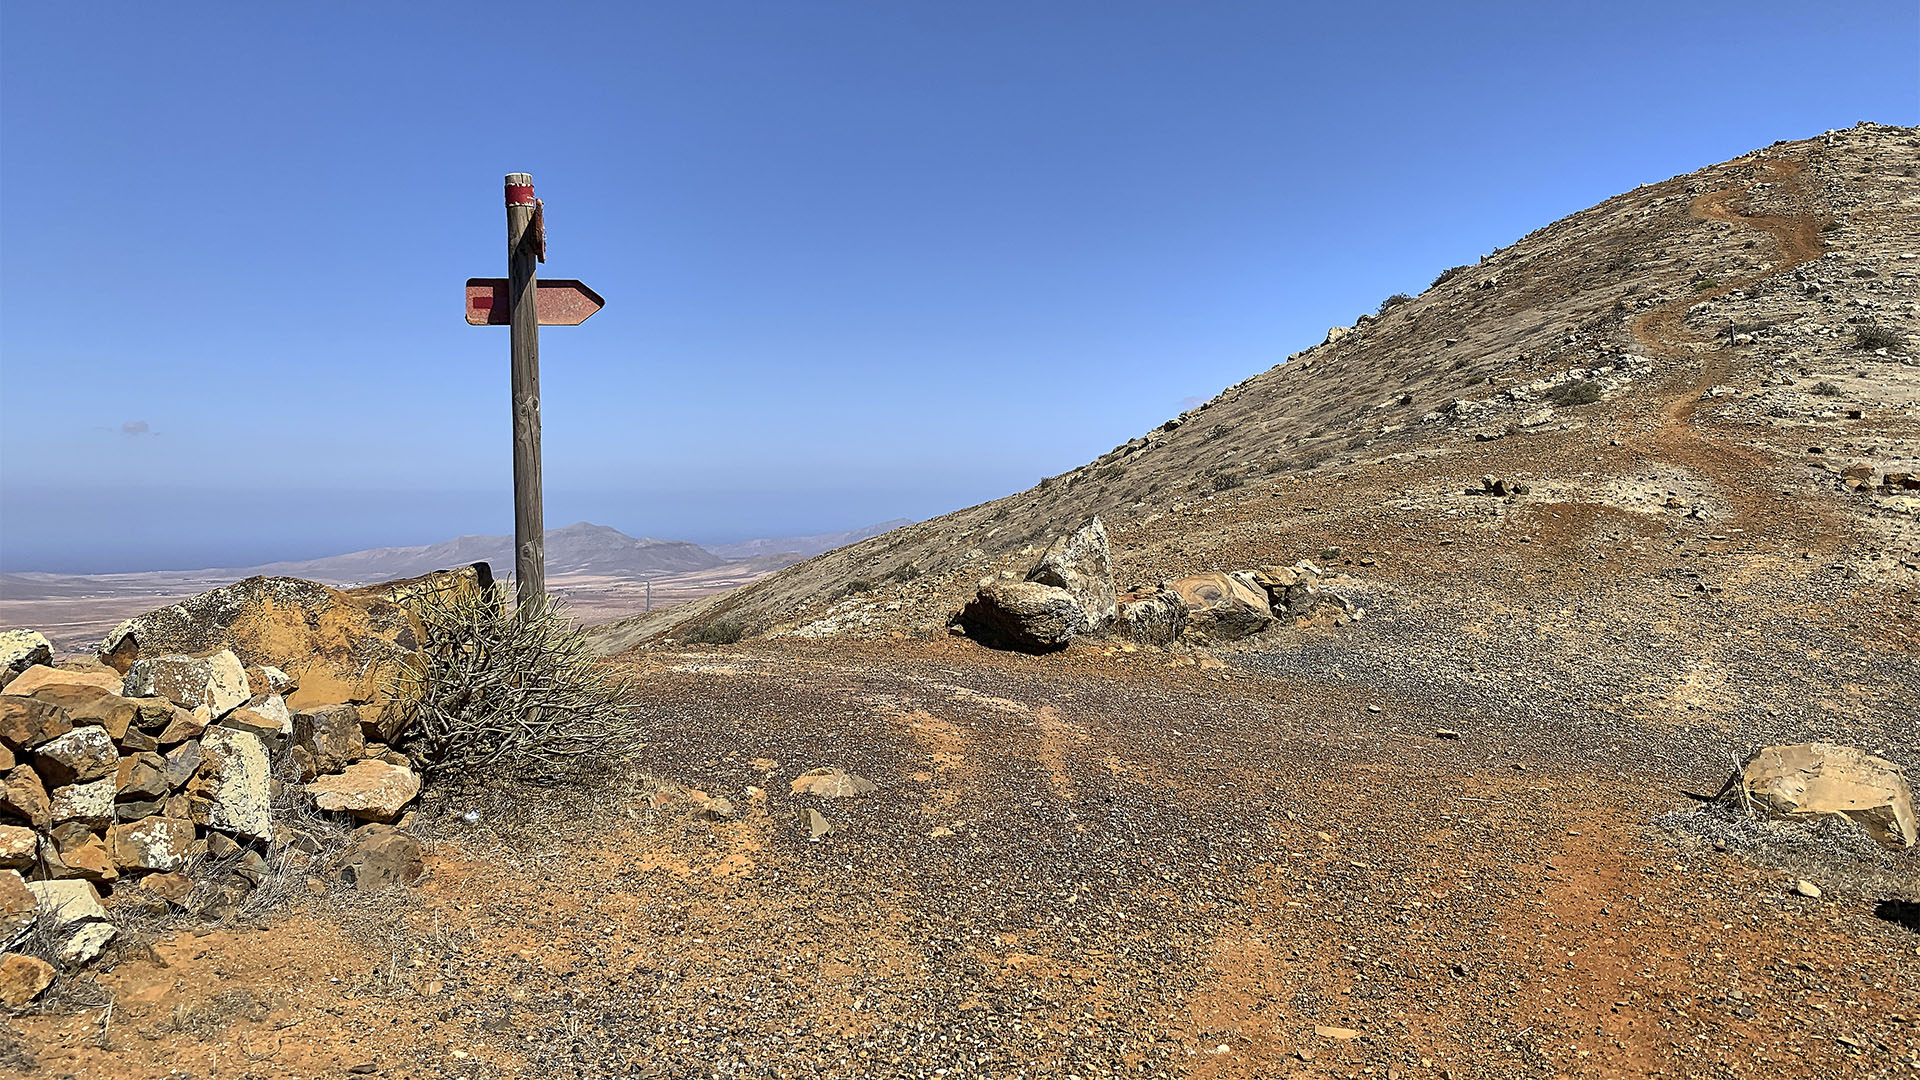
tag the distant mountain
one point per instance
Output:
(580, 548)
(804, 546)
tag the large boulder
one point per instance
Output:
(330, 644)
(1220, 608)
(1082, 564)
(1811, 780)
(217, 680)
(1023, 615)
(1155, 618)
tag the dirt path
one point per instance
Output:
(1084, 866)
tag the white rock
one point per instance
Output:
(239, 787)
(218, 681)
(89, 803)
(71, 912)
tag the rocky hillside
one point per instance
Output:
(1724, 358)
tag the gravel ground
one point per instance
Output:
(1088, 865)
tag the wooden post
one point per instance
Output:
(529, 530)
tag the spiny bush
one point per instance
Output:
(1584, 392)
(497, 693)
(1447, 275)
(1227, 481)
(1875, 336)
(1826, 389)
(718, 632)
(1392, 302)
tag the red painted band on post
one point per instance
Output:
(519, 194)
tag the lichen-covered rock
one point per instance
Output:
(81, 755)
(369, 790)
(155, 843)
(1082, 564)
(90, 804)
(334, 645)
(216, 681)
(20, 650)
(235, 783)
(331, 735)
(1154, 619)
(1023, 615)
(1220, 608)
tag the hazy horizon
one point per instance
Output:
(382, 519)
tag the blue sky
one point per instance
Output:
(861, 260)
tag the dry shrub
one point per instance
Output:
(499, 693)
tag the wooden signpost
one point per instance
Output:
(522, 302)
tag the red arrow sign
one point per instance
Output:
(560, 302)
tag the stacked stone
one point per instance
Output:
(135, 780)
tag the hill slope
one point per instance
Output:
(1576, 358)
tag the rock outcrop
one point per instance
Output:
(1155, 618)
(1082, 564)
(1221, 608)
(1023, 615)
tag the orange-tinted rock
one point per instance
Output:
(157, 843)
(19, 846)
(369, 790)
(98, 676)
(25, 796)
(17, 907)
(26, 723)
(23, 978)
